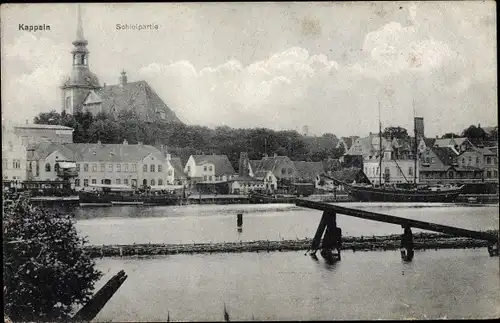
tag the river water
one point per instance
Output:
(288, 285)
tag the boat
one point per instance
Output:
(263, 198)
(393, 193)
(124, 195)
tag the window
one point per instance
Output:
(410, 171)
(16, 163)
(85, 182)
(118, 168)
(283, 171)
(160, 168)
(77, 167)
(85, 167)
(125, 181)
(102, 181)
(152, 168)
(118, 181)
(110, 168)
(204, 178)
(160, 182)
(210, 178)
(56, 167)
(145, 168)
(210, 168)
(477, 160)
(47, 167)
(134, 183)
(189, 169)
(470, 160)
(77, 182)
(37, 168)
(153, 182)
(103, 167)
(125, 168)
(205, 168)
(488, 160)
(386, 170)
(488, 174)
(94, 167)
(495, 173)
(463, 160)
(144, 182)
(134, 168)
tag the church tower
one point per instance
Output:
(81, 80)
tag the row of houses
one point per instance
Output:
(450, 160)
(27, 155)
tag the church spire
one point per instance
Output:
(80, 39)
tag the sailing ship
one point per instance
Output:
(392, 193)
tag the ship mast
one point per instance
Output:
(415, 152)
(380, 147)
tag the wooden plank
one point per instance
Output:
(458, 232)
(90, 310)
(319, 232)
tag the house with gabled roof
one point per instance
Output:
(441, 165)
(483, 158)
(209, 169)
(309, 172)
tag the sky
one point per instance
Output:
(277, 65)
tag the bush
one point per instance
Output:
(46, 271)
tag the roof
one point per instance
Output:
(254, 165)
(270, 163)
(43, 126)
(348, 175)
(139, 95)
(309, 170)
(178, 169)
(445, 154)
(43, 149)
(97, 152)
(489, 129)
(221, 163)
(449, 141)
(429, 142)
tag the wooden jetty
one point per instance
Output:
(328, 225)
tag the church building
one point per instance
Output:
(81, 91)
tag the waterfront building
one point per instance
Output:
(91, 164)
(393, 171)
(35, 133)
(484, 159)
(81, 90)
(348, 176)
(441, 165)
(209, 169)
(245, 185)
(13, 158)
(309, 172)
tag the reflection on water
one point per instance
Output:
(218, 223)
(291, 286)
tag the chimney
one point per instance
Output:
(123, 78)
(125, 142)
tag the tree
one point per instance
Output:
(474, 134)
(46, 270)
(51, 117)
(395, 132)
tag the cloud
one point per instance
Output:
(293, 86)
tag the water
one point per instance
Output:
(217, 223)
(288, 285)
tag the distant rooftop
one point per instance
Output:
(42, 126)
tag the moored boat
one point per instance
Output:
(123, 195)
(261, 198)
(392, 194)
